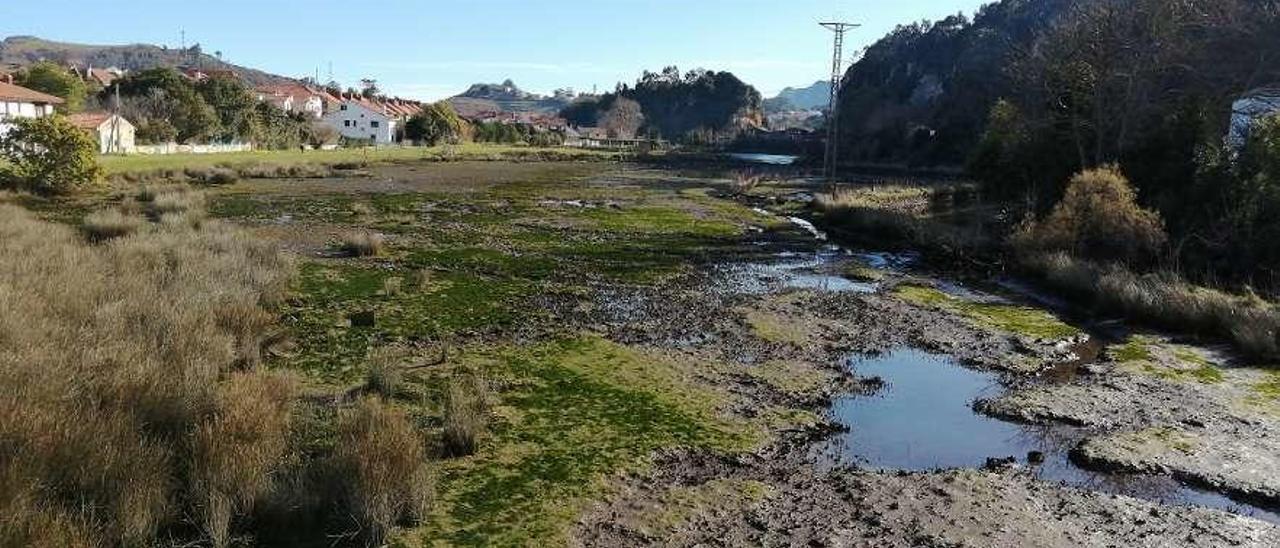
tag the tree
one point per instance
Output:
(623, 119)
(55, 80)
(233, 104)
(49, 155)
(163, 94)
(437, 123)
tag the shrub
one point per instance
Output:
(48, 155)
(742, 182)
(363, 243)
(381, 466)
(110, 224)
(1097, 218)
(213, 175)
(465, 414)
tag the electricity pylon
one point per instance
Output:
(830, 161)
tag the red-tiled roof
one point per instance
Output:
(10, 92)
(89, 120)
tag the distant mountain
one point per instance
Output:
(506, 97)
(814, 97)
(19, 51)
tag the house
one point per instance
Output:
(1247, 110)
(19, 102)
(362, 119)
(295, 98)
(113, 133)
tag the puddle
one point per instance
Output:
(923, 419)
(764, 159)
(794, 271)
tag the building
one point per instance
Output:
(113, 133)
(361, 119)
(19, 102)
(297, 98)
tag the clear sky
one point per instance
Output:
(433, 49)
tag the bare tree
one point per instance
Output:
(623, 119)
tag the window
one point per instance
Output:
(346, 123)
(373, 137)
(373, 124)
(343, 107)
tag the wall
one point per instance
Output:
(174, 148)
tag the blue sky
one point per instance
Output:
(435, 48)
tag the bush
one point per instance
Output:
(363, 243)
(381, 466)
(1097, 218)
(48, 155)
(110, 224)
(465, 414)
(213, 175)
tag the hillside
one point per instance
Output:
(25, 50)
(940, 78)
(506, 97)
(814, 97)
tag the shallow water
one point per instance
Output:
(923, 419)
(765, 159)
(814, 270)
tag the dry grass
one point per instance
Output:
(110, 224)
(920, 216)
(363, 243)
(466, 411)
(235, 452)
(386, 372)
(115, 358)
(743, 182)
(1166, 300)
(382, 466)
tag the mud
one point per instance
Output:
(761, 308)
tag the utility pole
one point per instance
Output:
(831, 160)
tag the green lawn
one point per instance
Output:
(469, 151)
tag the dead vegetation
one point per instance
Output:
(381, 465)
(363, 243)
(465, 415)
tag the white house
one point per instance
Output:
(296, 98)
(113, 133)
(364, 120)
(19, 102)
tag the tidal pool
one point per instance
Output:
(922, 418)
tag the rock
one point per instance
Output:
(366, 318)
(997, 464)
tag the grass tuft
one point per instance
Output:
(466, 413)
(363, 243)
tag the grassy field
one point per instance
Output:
(470, 151)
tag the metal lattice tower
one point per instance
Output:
(830, 161)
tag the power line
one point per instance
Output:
(831, 159)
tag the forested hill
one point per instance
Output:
(697, 106)
(921, 94)
(25, 50)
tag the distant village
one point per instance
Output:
(353, 116)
